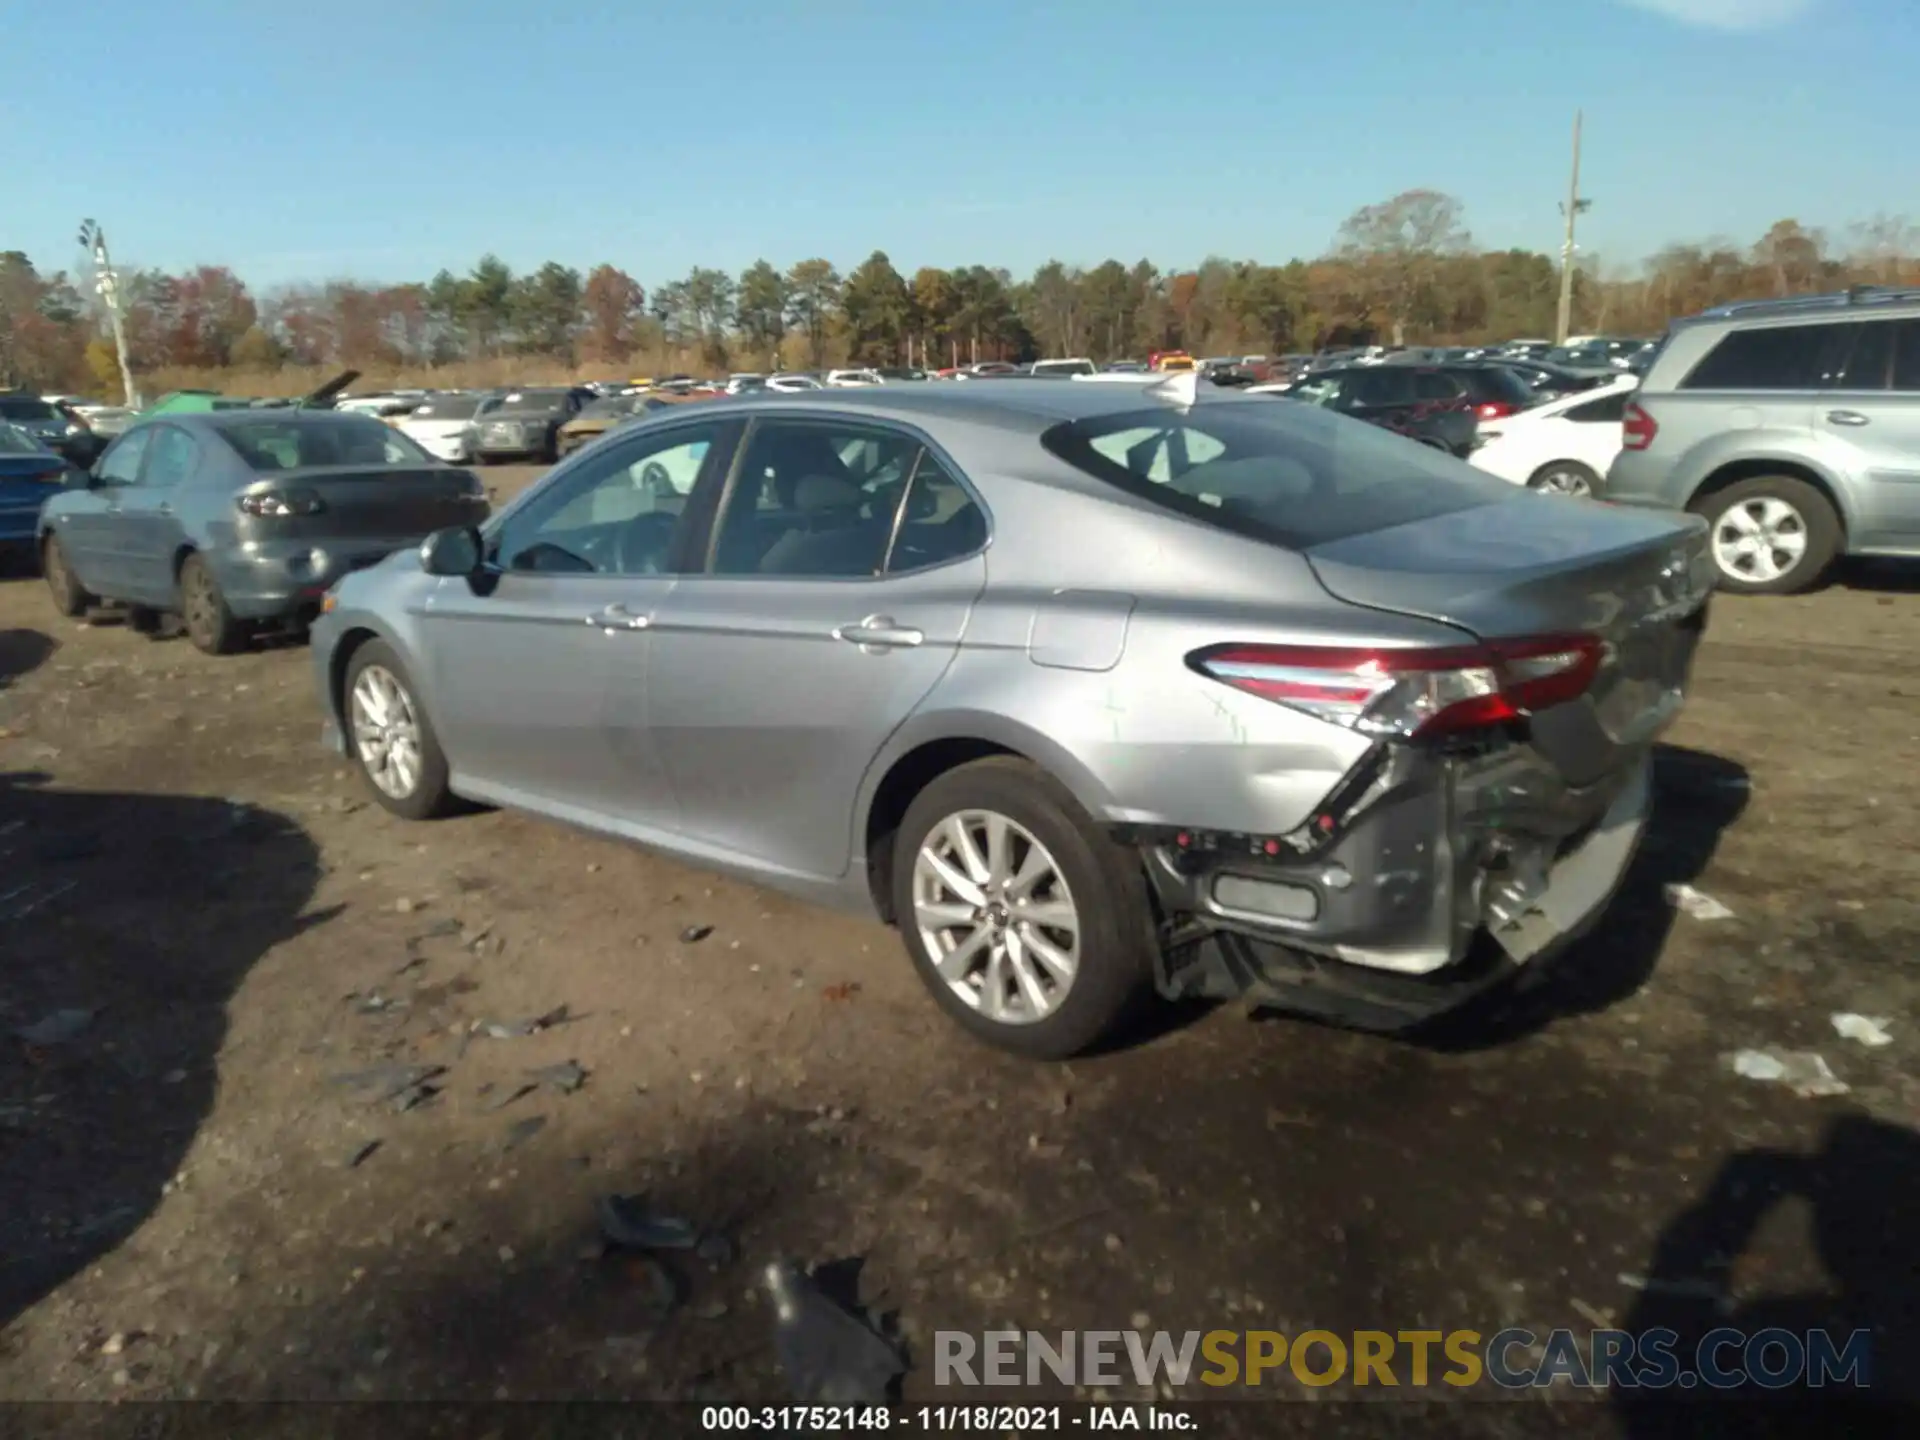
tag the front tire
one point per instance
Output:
(70, 598)
(390, 738)
(1029, 926)
(1771, 535)
(211, 626)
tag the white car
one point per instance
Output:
(1564, 446)
(443, 426)
(851, 379)
(790, 383)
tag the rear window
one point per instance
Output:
(448, 407)
(17, 409)
(1607, 410)
(269, 446)
(1289, 474)
(530, 402)
(1776, 357)
(15, 441)
(1497, 382)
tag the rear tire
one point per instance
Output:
(1771, 535)
(388, 724)
(211, 626)
(69, 597)
(1052, 859)
(1565, 477)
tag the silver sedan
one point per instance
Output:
(1093, 691)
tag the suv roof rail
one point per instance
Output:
(1793, 304)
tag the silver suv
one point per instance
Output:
(1792, 426)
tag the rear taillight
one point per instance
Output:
(1637, 429)
(1412, 694)
(278, 504)
(1495, 410)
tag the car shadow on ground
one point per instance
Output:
(22, 652)
(1859, 1192)
(1890, 577)
(1697, 796)
(129, 921)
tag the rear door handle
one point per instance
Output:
(618, 617)
(879, 632)
(1846, 417)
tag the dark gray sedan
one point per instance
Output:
(236, 519)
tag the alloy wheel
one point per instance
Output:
(995, 916)
(1759, 540)
(386, 731)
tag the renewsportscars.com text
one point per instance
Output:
(1514, 1359)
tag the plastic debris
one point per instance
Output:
(566, 1077)
(694, 934)
(388, 1082)
(516, 1029)
(1696, 903)
(627, 1221)
(522, 1131)
(1864, 1028)
(57, 1028)
(829, 1355)
(1801, 1071)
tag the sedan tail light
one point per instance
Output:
(1495, 409)
(277, 504)
(1637, 428)
(1408, 694)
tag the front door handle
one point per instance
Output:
(1846, 417)
(879, 632)
(164, 508)
(618, 617)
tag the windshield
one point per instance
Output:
(269, 446)
(15, 441)
(614, 407)
(448, 407)
(1283, 473)
(13, 408)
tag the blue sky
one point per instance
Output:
(382, 141)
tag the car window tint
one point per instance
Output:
(942, 521)
(1869, 360)
(813, 499)
(1906, 356)
(1607, 410)
(1433, 385)
(616, 513)
(121, 464)
(170, 459)
(1380, 385)
(1291, 474)
(1776, 357)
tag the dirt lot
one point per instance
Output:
(180, 1217)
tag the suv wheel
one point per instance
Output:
(1771, 535)
(1029, 926)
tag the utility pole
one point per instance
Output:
(1571, 208)
(107, 282)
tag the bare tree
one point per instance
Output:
(1397, 246)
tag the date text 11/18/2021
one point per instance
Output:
(936, 1419)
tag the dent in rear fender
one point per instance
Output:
(1148, 743)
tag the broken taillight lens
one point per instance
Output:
(1412, 693)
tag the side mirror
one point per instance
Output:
(454, 553)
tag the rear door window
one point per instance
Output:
(1773, 357)
(121, 464)
(1870, 361)
(1906, 356)
(1381, 385)
(1433, 385)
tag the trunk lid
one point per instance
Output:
(1544, 565)
(384, 502)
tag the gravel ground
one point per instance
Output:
(193, 1205)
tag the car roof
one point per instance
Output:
(278, 414)
(1010, 404)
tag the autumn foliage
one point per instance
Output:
(1406, 269)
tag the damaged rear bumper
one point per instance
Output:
(1443, 876)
